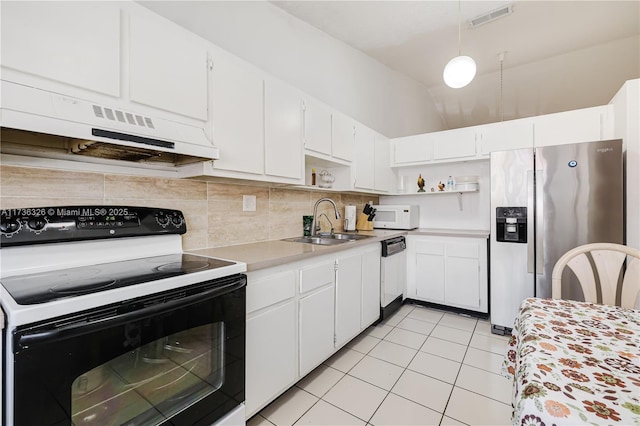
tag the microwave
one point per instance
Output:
(396, 216)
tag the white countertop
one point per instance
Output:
(266, 254)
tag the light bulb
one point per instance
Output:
(459, 72)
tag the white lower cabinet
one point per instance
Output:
(370, 286)
(315, 315)
(449, 271)
(300, 314)
(271, 344)
(348, 298)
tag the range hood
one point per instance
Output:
(39, 123)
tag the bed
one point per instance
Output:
(574, 363)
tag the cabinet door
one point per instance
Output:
(348, 298)
(317, 126)
(370, 287)
(342, 136)
(430, 270)
(238, 120)
(316, 315)
(411, 149)
(504, 136)
(363, 164)
(463, 274)
(430, 275)
(384, 177)
(167, 67)
(583, 125)
(271, 355)
(75, 43)
(282, 143)
(462, 288)
(453, 144)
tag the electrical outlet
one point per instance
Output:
(248, 203)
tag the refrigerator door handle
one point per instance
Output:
(530, 227)
(539, 213)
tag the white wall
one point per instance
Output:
(312, 61)
(443, 210)
(626, 104)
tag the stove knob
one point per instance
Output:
(37, 223)
(162, 219)
(176, 220)
(9, 226)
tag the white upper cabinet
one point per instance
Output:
(454, 144)
(445, 146)
(167, 67)
(385, 178)
(342, 136)
(238, 119)
(411, 149)
(316, 126)
(283, 146)
(364, 163)
(582, 125)
(73, 43)
(504, 136)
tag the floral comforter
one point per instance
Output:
(574, 363)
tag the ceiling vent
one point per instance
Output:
(491, 16)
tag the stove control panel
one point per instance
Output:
(73, 223)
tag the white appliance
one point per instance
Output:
(396, 216)
(104, 310)
(544, 202)
(393, 275)
(94, 130)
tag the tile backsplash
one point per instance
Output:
(213, 210)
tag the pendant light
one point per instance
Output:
(460, 70)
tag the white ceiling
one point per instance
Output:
(560, 55)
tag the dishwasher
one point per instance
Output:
(393, 275)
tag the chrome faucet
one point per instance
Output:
(328, 220)
(315, 214)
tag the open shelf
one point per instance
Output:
(461, 191)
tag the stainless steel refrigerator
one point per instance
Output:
(544, 202)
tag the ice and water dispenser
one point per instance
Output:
(511, 224)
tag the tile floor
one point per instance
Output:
(421, 366)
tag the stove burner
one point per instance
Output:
(184, 266)
(77, 282)
(72, 288)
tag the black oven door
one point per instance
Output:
(174, 358)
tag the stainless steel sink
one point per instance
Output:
(348, 237)
(328, 239)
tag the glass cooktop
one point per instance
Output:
(47, 286)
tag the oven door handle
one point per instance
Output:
(25, 341)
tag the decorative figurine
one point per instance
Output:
(420, 183)
(441, 186)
